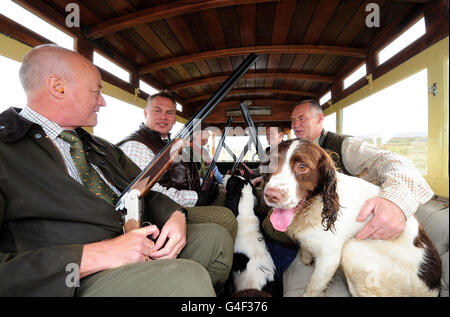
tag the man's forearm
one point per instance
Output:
(132, 247)
(400, 181)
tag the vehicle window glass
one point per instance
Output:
(395, 119)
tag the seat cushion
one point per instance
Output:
(434, 218)
(296, 278)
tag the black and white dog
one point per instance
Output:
(253, 267)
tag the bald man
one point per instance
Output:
(61, 236)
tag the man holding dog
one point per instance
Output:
(60, 234)
(403, 187)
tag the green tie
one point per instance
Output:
(88, 175)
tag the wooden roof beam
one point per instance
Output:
(219, 79)
(261, 102)
(257, 91)
(267, 49)
(159, 12)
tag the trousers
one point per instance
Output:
(215, 213)
(205, 260)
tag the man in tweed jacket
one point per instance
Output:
(59, 239)
(403, 187)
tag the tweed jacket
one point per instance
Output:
(46, 216)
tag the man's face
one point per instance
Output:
(84, 97)
(160, 115)
(273, 136)
(306, 122)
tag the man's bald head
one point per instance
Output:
(62, 86)
(43, 61)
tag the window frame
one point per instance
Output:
(434, 59)
(108, 71)
(404, 30)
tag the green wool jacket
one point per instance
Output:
(46, 216)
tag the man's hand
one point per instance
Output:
(256, 181)
(245, 171)
(174, 231)
(132, 247)
(388, 220)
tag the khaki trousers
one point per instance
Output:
(205, 260)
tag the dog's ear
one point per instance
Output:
(233, 195)
(330, 197)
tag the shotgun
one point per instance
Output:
(208, 178)
(252, 131)
(225, 146)
(244, 151)
(129, 203)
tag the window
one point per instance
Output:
(325, 98)
(111, 67)
(406, 38)
(147, 88)
(12, 91)
(355, 76)
(329, 122)
(112, 124)
(395, 119)
(236, 141)
(34, 23)
(176, 128)
(237, 144)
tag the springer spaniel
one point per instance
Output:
(318, 207)
(253, 273)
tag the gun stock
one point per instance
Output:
(132, 202)
(159, 166)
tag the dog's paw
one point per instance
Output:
(306, 257)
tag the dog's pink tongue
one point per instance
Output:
(282, 218)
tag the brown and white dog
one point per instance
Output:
(318, 206)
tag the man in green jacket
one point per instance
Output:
(57, 238)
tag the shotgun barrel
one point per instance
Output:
(225, 146)
(208, 179)
(244, 151)
(252, 130)
(161, 162)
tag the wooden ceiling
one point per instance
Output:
(190, 47)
